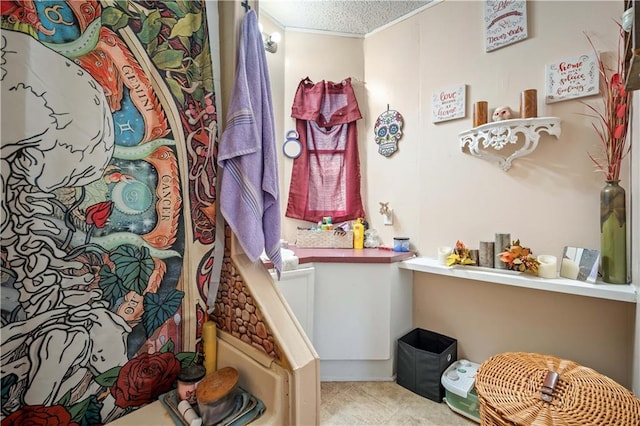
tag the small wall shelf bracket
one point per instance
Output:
(487, 140)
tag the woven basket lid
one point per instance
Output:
(511, 384)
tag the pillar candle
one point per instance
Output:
(569, 269)
(474, 255)
(443, 253)
(503, 242)
(210, 346)
(529, 103)
(548, 267)
(480, 113)
(485, 255)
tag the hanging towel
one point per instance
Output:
(249, 194)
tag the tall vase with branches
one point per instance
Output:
(611, 125)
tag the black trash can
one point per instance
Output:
(423, 356)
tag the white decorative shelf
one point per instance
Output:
(485, 141)
(619, 292)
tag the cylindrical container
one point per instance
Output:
(188, 379)
(569, 269)
(400, 244)
(210, 339)
(474, 255)
(358, 234)
(486, 254)
(480, 113)
(443, 253)
(548, 267)
(529, 103)
(503, 242)
(216, 395)
(189, 414)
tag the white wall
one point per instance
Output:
(439, 194)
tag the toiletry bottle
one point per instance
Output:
(358, 234)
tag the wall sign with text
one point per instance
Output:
(572, 78)
(505, 22)
(448, 104)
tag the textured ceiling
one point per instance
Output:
(356, 17)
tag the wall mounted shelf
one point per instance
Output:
(488, 140)
(618, 292)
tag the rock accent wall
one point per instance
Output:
(236, 311)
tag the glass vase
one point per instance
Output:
(613, 233)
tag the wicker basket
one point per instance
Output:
(324, 239)
(517, 388)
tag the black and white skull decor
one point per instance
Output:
(388, 131)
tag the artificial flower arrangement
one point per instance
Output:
(613, 120)
(519, 258)
(460, 255)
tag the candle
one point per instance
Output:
(480, 113)
(210, 345)
(529, 103)
(569, 269)
(486, 254)
(503, 243)
(474, 255)
(548, 267)
(443, 253)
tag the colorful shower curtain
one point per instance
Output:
(109, 129)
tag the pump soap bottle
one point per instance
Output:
(358, 234)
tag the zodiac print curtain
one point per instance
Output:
(109, 129)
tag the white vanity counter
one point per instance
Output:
(362, 303)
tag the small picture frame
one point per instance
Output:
(580, 264)
(449, 103)
(570, 78)
(505, 23)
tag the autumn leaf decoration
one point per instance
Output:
(519, 258)
(460, 255)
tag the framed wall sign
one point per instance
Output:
(571, 78)
(505, 22)
(449, 103)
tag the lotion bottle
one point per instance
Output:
(358, 234)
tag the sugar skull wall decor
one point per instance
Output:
(388, 131)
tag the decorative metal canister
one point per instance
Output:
(188, 379)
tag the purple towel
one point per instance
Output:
(249, 194)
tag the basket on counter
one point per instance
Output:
(518, 388)
(307, 238)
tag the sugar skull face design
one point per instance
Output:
(388, 131)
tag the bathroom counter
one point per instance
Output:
(360, 303)
(337, 255)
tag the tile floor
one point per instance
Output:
(381, 403)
